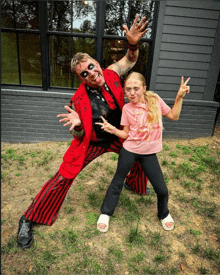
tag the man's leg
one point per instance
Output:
(46, 205)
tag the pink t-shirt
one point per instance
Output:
(143, 138)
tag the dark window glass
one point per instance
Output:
(9, 60)
(124, 12)
(114, 50)
(7, 14)
(60, 49)
(72, 16)
(26, 14)
(30, 59)
(141, 64)
(60, 57)
(20, 14)
(21, 50)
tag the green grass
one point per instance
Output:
(135, 242)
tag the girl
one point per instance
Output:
(142, 130)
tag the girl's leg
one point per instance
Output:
(125, 162)
(136, 179)
(153, 171)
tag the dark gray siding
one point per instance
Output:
(30, 116)
(187, 39)
(188, 44)
(196, 120)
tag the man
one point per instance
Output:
(100, 94)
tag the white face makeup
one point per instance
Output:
(90, 73)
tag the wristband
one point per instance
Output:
(132, 47)
(78, 128)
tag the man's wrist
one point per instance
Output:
(132, 47)
(78, 128)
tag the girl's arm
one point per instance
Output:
(174, 113)
(107, 127)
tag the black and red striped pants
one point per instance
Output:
(46, 205)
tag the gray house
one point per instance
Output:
(183, 39)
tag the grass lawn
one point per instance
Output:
(135, 242)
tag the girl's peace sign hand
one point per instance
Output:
(183, 89)
(107, 127)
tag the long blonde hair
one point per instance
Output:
(154, 112)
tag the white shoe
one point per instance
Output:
(103, 219)
(168, 219)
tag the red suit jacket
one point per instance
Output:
(75, 155)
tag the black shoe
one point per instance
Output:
(25, 235)
(147, 191)
(127, 187)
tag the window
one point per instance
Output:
(40, 37)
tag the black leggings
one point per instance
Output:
(152, 169)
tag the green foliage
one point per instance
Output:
(3, 175)
(114, 157)
(68, 142)
(173, 154)
(69, 239)
(11, 246)
(186, 150)
(165, 147)
(110, 170)
(17, 174)
(135, 237)
(10, 154)
(155, 238)
(195, 232)
(160, 258)
(81, 176)
(117, 252)
(49, 257)
(94, 199)
(164, 162)
(69, 209)
(138, 258)
(186, 169)
(92, 218)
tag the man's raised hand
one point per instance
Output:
(136, 31)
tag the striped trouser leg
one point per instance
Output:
(46, 205)
(137, 179)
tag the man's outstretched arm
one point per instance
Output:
(133, 35)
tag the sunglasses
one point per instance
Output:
(84, 74)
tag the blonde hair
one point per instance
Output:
(77, 59)
(154, 112)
